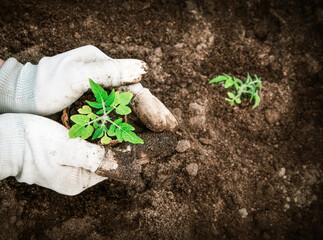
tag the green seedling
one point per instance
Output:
(99, 123)
(240, 88)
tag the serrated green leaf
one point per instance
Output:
(87, 132)
(111, 131)
(97, 133)
(132, 138)
(123, 110)
(126, 127)
(92, 116)
(75, 131)
(94, 104)
(100, 112)
(257, 100)
(231, 95)
(228, 83)
(100, 94)
(238, 100)
(105, 140)
(80, 119)
(85, 110)
(116, 99)
(110, 98)
(125, 98)
(119, 134)
(218, 79)
(118, 121)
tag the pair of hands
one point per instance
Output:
(37, 150)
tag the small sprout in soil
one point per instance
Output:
(240, 88)
(99, 123)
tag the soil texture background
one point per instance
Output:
(237, 173)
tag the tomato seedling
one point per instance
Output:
(100, 123)
(240, 88)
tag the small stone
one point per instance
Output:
(183, 145)
(302, 199)
(272, 116)
(286, 206)
(77, 35)
(314, 198)
(158, 52)
(206, 141)
(196, 108)
(243, 212)
(288, 199)
(192, 169)
(282, 172)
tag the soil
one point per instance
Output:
(237, 173)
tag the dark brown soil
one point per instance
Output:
(265, 162)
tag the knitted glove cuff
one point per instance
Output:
(17, 87)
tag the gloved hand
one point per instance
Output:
(58, 81)
(37, 150)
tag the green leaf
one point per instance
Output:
(111, 131)
(116, 99)
(85, 110)
(125, 98)
(118, 121)
(97, 133)
(96, 125)
(80, 119)
(238, 100)
(100, 112)
(100, 94)
(257, 100)
(231, 95)
(105, 140)
(218, 79)
(231, 103)
(119, 134)
(75, 131)
(110, 98)
(228, 83)
(126, 127)
(252, 94)
(87, 132)
(95, 104)
(123, 110)
(259, 85)
(249, 79)
(237, 83)
(132, 137)
(92, 116)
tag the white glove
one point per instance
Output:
(37, 150)
(58, 81)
